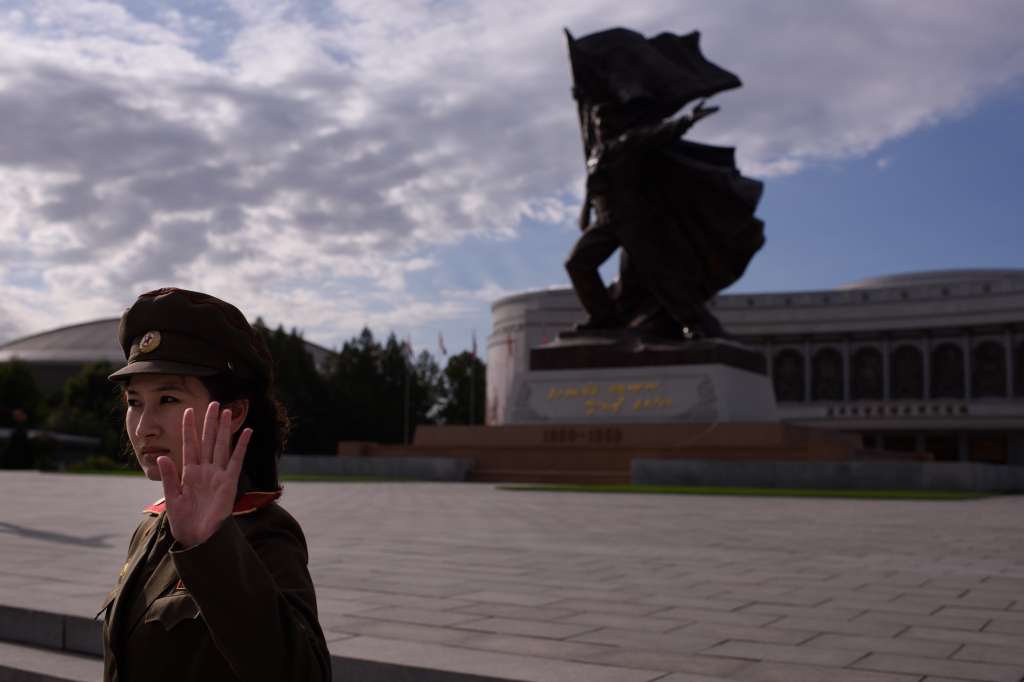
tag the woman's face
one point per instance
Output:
(156, 404)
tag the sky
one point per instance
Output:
(400, 165)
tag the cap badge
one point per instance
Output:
(149, 342)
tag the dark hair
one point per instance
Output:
(267, 418)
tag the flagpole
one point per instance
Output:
(472, 382)
(405, 412)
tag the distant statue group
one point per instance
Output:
(681, 212)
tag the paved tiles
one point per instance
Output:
(540, 586)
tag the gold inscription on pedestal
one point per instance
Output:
(619, 391)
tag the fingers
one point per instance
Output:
(210, 428)
(234, 467)
(189, 439)
(169, 478)
(222, 448)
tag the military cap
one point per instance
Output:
(174, 331)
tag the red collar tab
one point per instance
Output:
(246, 504)
(253, 501)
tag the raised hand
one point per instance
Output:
(201, 500)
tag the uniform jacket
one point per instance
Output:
(239, 606)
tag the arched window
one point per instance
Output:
(1018, 371)
(827, 375)
(906, 373)
(866, 374)
(948, 371)
(988, 370)
(788, 374)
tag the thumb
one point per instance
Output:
(169, 477)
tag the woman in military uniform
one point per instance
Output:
(216, 586)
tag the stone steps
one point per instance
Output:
(25, 663)
(34, 647)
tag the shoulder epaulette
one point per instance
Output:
(246, 504)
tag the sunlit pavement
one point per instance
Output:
(546, 586)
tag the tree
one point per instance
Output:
(91, 405)
(454, 398)
(18, 391)
(368, 382)
(304, 391)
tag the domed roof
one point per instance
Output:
(88, 342)
(79, 343)
(932, 278)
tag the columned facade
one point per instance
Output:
(924, 362)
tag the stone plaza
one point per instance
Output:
(470, 582)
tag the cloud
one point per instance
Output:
(302, 160)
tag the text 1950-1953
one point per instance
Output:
(609, 436)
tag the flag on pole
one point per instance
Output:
(474, 345)
(440, 342)
(508, 342)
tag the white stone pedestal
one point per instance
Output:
(623, 395)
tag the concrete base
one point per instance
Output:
(414, 468)
(700, 393)
(849, 475)
(577, 453)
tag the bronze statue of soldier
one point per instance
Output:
(627, 218)
(680, 211)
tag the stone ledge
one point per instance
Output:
(24, 663)
(848, 475)
(51, 630)
(617, 350)
(34, 648)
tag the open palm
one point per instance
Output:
(198, 503)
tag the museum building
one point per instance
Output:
(926, 362)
